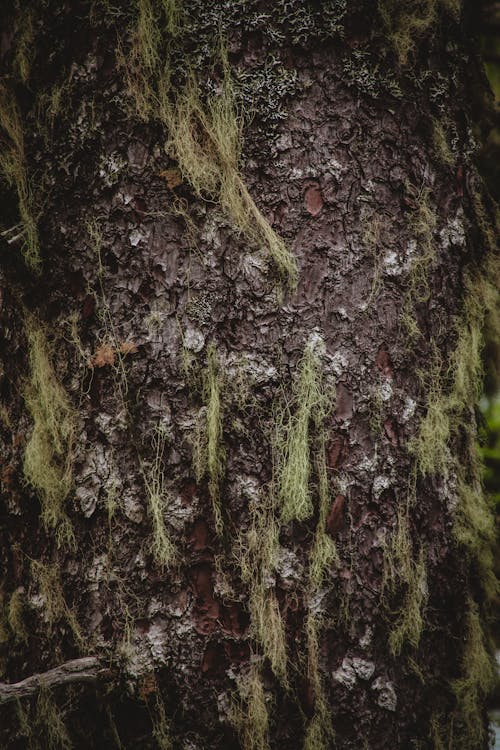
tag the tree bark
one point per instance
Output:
(247, 262)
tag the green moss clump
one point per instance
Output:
(323, 551)
(13, 170)
(293, 441)
(208, 453)
(48, 458)
(457, 388)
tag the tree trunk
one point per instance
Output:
(247, 262)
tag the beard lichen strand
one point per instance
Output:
(164, 550)
(48, 457)
(445, 406)
(204, 139)
(471, 689)
(292, 445)
(258, 553)
(208, 448)
(14, 171)
(406, 24)
(249, 713)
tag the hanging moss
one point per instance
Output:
(208, 449)
(258, 556)
(249, 714)
(407, 24)
(319, 731)
(163, 548)
(406, 574)
(471, 689)
(294, 439)
(14, 171)
(203, 137)
(48, 458)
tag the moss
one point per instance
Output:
(406, 574)
(406, 24)
(293, 441)
(319, 731)
(163, 548)
(209, 454)
(15, 615)
(204, 138)
(474, 530)
(323, 550)
(49, 723)
(372, 234)
(440, 144)
(25, 44)
(457, 388)
(14, 171)
(422, 224)
(206, 141)
(250, 715)
(47, 579)
(48, 455)
(258, 556)
(471, 689)
(161, 728)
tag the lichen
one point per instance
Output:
(405, 574)
(258, 555)
(163, 548)
(14, 171)
(406, 24)
(47, 579)
(48, 458)
(208, 447)
(422, 224)
(293, 440)
(471, 689)
(249, 713)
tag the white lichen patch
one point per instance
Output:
(193, 340)
(453, 233)
(380, 484)
(408, 409)
(391, 264)
(345, 674)
(137, 236)
(289, 568)
(385, 694)
(364, 669)
(385, 390)
(110, 166)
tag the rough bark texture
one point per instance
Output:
(158, 328)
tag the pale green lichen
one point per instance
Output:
(208, 448)
(249, 713)
(293, 440)
(14, 171)
(48, 458)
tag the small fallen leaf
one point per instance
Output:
(103, 355)
(172, 177)
(128, 347)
